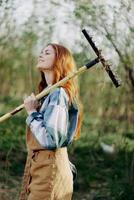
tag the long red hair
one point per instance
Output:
(63, 65)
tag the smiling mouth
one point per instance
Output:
(41, 60)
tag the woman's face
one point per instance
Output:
(46, 59)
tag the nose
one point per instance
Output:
(40, 56)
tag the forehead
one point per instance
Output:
(49, 48)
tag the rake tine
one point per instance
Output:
(102, 59)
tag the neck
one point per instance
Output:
(49, 76)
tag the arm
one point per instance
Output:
(50, 126)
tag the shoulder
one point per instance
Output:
(58, 96)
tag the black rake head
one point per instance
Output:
(101, 59)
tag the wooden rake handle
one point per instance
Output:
(51, 88)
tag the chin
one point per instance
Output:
(42, 68)
(39, 66)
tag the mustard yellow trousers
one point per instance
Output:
(50, 176)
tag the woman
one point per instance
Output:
(52, 124)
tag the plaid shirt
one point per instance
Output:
(54, 124)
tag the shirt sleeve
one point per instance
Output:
(50, 126)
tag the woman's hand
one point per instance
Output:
(31, 103)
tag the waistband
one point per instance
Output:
(48, 153)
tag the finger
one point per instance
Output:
(27, 99)
(33, 95)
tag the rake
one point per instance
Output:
(98, 59)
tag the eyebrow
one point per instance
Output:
(46, 51)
